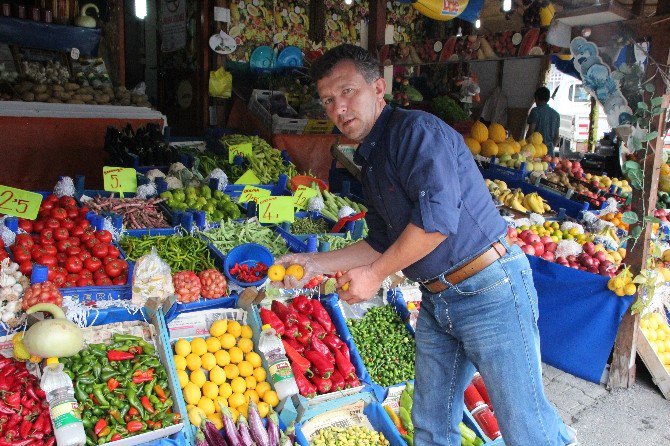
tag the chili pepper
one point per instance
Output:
(116, 414)
(320, 347)
(297, 346)
(295, 357)
(302, 304)
(338, 380)
(318, 330)
(352, 382)
(160, 393)
(303, 336)
(332, 341)
(13, 399)
(112, 383)
(134, 426)
(292, 332)
(132, 399)
(344, 366)
(27, 442)
(79, 393)
(99, 426)
(345, 351)
(104, 432)
(269, 317)
(304, 323)
(133, 412)
(97, 349)
(117, 355)
(107, 373)
(116, 437)
(147, 404)
(27, 402)
(149, 387)
(305, 387)
(6, 409)
(97, 369)
(135, 350)
(320, 364)
(89, 441)
(320, 315)
(87, 421)
(38, 425)
(24, 428)
(287, 315)
(31, 392)
(323, 385)
(142, 376)
(97, 392)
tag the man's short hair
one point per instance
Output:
(542, 94)
(365, 63)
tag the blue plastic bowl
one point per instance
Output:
(247, 254)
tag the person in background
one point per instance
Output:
(544, 119)
(431, 216)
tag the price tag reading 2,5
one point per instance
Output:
(243, 150)
(252, 193)
(19, 203)
(276, 210)
(302, 196)
(119, 179)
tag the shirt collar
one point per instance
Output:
(375, 135)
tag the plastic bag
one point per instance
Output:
(567, 248)
(152, 277)
(220, 83)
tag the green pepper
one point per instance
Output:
(116, 415)
(69, 373)
(86, 379)
(99, 395)
(99, 350)
(134, 401)
(97, 369)
(89, 441)
(124, 410)
(97, 411)
(117, 403)
(106, 373)
(149, 387)
(87, 422)
(79, 393)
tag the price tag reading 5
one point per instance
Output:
(243, 149)
(251, 193)
(119, 179)
(302, 196)
(19, 203)
(276, 210)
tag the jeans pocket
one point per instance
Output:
(529, 286)
(485, 281)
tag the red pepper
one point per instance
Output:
(133, 412)
(50, 442)
(318, 330)
(296, 345)
(160, 393)
(344, 366)
(24, 428)
(13, 399)
(147, 404)
(235, 269)
(27, 402)
(99, 426)
(332, 341)
(134, 426)
(323, 385)
(320, 315)
(345, 351)
(287, 315)
(135, 350)
(303, 336)
(305, 387)
(142, 376)
(300, 362)
(302, 304)
(269, 317)
(354, 382)
(292, 332)
(338, 381)
(320, 364)
(117, 355)
(320, 347)
(112, 384)
(6, 409)
(116, 437)
(304, 323)
(35, 394)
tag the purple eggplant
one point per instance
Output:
(290, 432)
(243, 428)
(200, 438)
(212, 434)
(256, 428)
(273, 428)
(229, 426)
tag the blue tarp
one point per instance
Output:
(579, 318)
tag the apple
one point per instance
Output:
(551, 246)
(539, 248)
(533, 238)
(549, 256)
(528, 249)
(525, 235)
(601, 256)
(589, 248)
(546, 239)
(562, 261)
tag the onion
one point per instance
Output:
(53, 338)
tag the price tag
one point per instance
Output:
(19, 202)
(249, 177)
(276, 210)
(119, 179)
(251, 193)
(243, 149)
(302, 195)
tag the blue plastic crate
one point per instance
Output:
(498, 172)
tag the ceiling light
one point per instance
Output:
(478, 24)
(348, 2)
(460, 32)
(140, 9)
(507, 5)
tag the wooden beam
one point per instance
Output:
(376, 25)
(638, 7)
(663, 7)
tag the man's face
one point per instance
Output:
(350, 102)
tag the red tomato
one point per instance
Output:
(103, 281)
(63, 245)
(113, 251)
(61, 234)
(73, 264)
(90, 243)
(24, 240)
(99, 273)
(66, 201)
(85, 282)
(38, 226)
(104, 236)
(86, 274)
(121, 280)
(48, 260)
(74, 240)
(72, 250)
(58, 213)
(100, 250)
(52, 223)
(84, 255)
(68, 284)
(72, 278)
(68, 224)
(26, 225)
(61, 257)
(36, 252)
(50, 249)
(114, 269)
(46, 206)
(92, 264)
(72, 212)
(59, 280)
(47, 237)
(77, 231)
(84, 224)
(21, 254)
(26, 267)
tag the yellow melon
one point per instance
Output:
(473, 145)
(489, 148)
(663, 182)
(497, 132)
(543, 149)
(505, 148)
(479, 132)
(536, 138)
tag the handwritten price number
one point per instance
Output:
(302, 195)
(19, 203)
(9, 194)
(119, 179)
(243, 150)
(253, 194)
(276, 210)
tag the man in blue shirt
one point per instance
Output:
(431, 216)
(544, 119)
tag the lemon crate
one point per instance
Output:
(274, 122)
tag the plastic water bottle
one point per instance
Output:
(63, 407)
(280, 369)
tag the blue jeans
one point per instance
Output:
(487, 322)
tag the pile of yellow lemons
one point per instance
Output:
(657, 331)
(622, 284)
(222, 369)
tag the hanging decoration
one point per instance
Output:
(440, 9)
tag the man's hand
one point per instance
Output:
(362, 282)
(309, 265)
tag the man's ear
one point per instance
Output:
(380, 87)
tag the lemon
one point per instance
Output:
(207, 405)
(210, 390)
(198, 346)
(231, 371)
(246, 345)
(218, 327)
(208, 361)
(182, 348)
(238, 385)
(234, 328)
(263, 409)
(227, 341)
(244, 410)
(196, 415)
(218, 401)
(236, 400)
(295, 271)
(189, 407)
(234, 414)
(247, 333)
(217, 375)
(252, 395)
(216, 419)
(192, 393)
(276, 272)
(254, 359)
(236, 355)
(262, 387)
(246, 369)
(183, 378)
(180, 362)
(250, 382)
(271, 398)
(193, 361)
(225, 390)
(198, 378)
(213, 345)
(222, 358)
(260, 374)
(630, 289)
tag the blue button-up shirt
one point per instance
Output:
(416, 169)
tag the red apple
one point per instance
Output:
(528, 249)
(539, 248)
(550, 246)
(546, 239)
(533, 238)
(589, 248)
(549, 256)
(562, 261)
(601, 256)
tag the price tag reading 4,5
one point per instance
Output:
(302, 196)
(19, 202)
(243, 149)
(276, 210)
(119, 179)
(251, 193)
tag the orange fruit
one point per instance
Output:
(276, 273)
(295, 271)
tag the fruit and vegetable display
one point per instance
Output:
(216, 204)
(355, 435)
(516, 199)
(121, 387)
(12, 286)
(320, 359)
(182, 252)
(233, 233)
(385, 345)
(137, 213)
(657, 331)
(144, 146)
(222, 376)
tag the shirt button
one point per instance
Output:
(390, 226)
(370, 169)
(373, 143)
(423, 193)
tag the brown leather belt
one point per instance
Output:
(496, 251)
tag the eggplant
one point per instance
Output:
(212, 434)
(200, 438)
(229, 427)
(273, 428)
(290, 432)
(258, 432)
(243, 428)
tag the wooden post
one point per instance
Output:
(622, 370)
(377, 25)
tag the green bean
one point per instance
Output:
(309, 226)
(231, 234)
(181, 252)
(337, 242)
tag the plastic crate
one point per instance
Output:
(319, 127)
(497, 172)
(274, 122)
